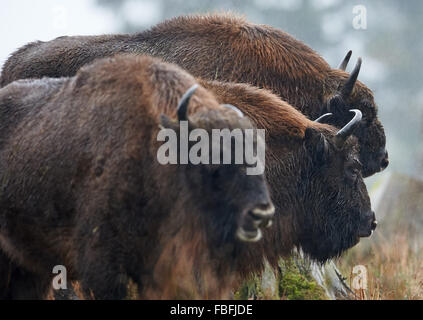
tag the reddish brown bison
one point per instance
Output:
(227, 48)
(81, 186)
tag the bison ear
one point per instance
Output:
(316, 145)
(168, 123)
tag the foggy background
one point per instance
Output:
(391, 46)
(391, 49)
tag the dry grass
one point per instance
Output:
(394, 267)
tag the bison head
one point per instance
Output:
(350, 94)
(237, 205)
(336, 207)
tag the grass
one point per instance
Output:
(394, 267)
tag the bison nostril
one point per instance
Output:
(368, 224)
(253, 220)
(385, 161)
(264, 211)
(374, 224)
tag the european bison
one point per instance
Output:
(227, 48)
(314, 174)
(81, 186)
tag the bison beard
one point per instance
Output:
(242, 52)
(81, 187)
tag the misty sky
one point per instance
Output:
(24, 21)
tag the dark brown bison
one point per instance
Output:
(314, 173)
(81, 186)
(227, 48)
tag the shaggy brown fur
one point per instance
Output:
(81, 187)
(227, 48)
(321, 201)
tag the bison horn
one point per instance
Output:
(349, 85)
(322, 117)
(183, 104)
(229, 106)
(348, 129)
(344, 62)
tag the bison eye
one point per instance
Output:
(353, 170)
(352, 175)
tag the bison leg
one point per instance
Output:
(100, 259)
(25, 285)
(101, 276)
(102, 284)
(6, 270)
